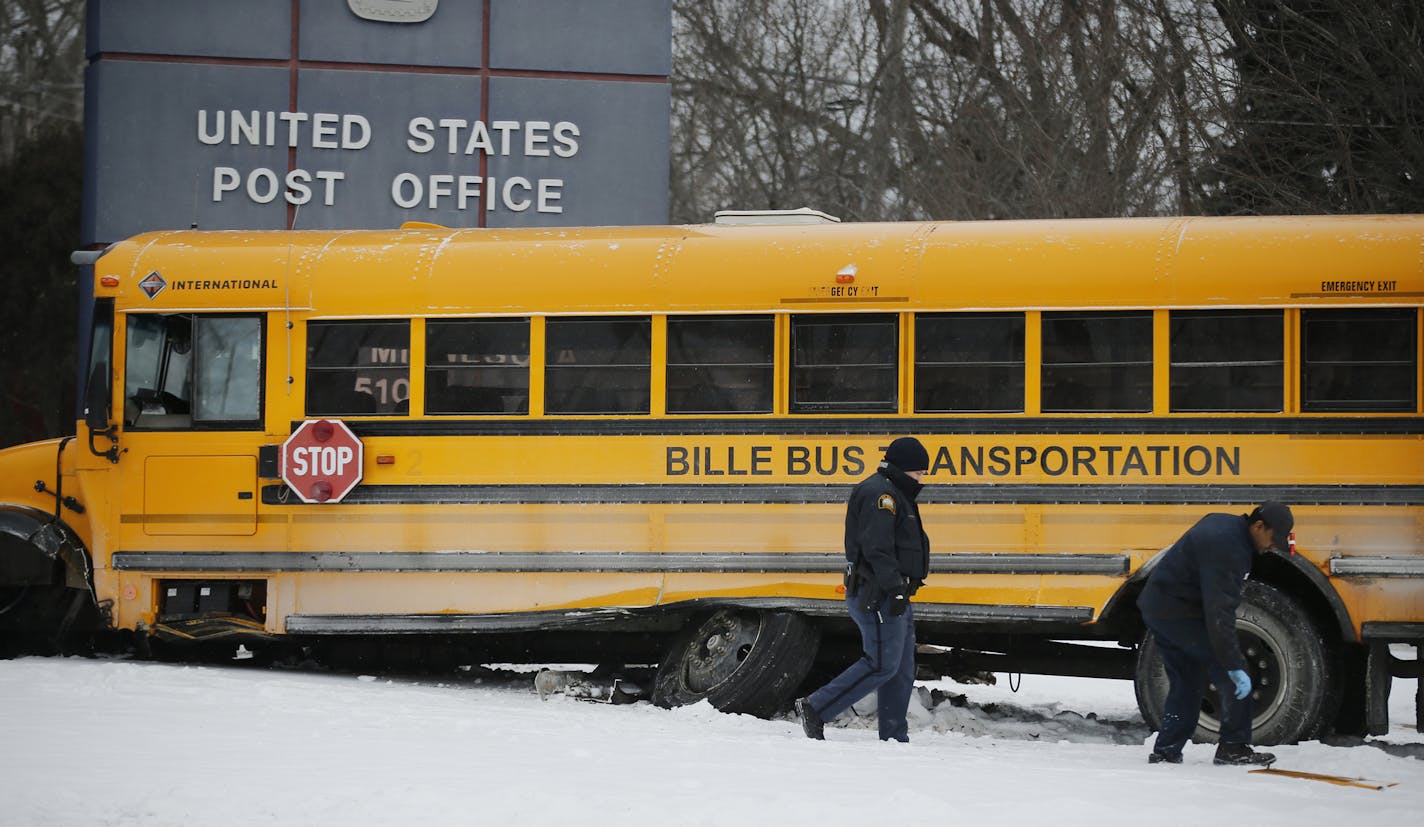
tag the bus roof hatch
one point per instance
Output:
(803, 215)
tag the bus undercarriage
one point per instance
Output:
(750, 656)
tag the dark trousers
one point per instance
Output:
(1187, 655)
(886, 666)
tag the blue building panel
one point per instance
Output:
(146, 166)
(632, 37)
(450, 37)
(405, 139)
(250, 29)
(617, 172)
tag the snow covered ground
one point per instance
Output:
(122, 742)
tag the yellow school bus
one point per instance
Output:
(636, 443)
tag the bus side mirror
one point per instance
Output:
(96, 400)
(96, 413)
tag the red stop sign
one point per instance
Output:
(322, 460)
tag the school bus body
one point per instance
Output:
(1041, 523)
(615, 548)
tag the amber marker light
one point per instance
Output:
(109, 281)
(385, 459)
(846, 275)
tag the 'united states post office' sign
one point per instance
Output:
(337, 114)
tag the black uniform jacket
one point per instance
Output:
(1201, 577)
(884, 540)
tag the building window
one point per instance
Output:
(1359, 360)
(1097, 361)
(720, 364)
(358, 368)
(844, 363)
(1227, 360)
(477, 366)
(598, 365)
(969, 362)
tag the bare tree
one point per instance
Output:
(764, 101)
(41, 68)
(887, 109)
(41, 106)
(1328, 107)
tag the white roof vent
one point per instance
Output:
(804, 215)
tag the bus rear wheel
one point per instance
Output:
(1286, 658)
(739, 660)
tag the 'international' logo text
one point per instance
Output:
(225, 284)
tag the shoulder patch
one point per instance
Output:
(886, 502)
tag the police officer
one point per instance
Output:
(1190, 603)
(887, 559)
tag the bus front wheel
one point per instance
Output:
(739, 660)
(46, 620)
(1286, 659)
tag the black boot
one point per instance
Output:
(1241, 755)
(1164, 758)
(811, 723)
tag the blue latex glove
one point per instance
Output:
(1242, 681)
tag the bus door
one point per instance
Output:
(192, 423)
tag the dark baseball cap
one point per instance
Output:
(1279, 517)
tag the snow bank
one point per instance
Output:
(113, 742)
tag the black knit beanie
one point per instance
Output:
(907, 454)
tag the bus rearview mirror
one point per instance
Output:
(96, 400)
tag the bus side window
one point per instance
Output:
(477, 366)
(845, 363)
(359, 368)
(227, 370)
(720, 364)
(1097, 361)
(1227, 360)
(969, 362)
(598, 365)
(1359, 360)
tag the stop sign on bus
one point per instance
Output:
(322, 460)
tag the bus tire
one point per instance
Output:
(46, 620)
(739, 660)
(1287, 659)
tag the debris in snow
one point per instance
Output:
(951, 712)
(604, 687)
